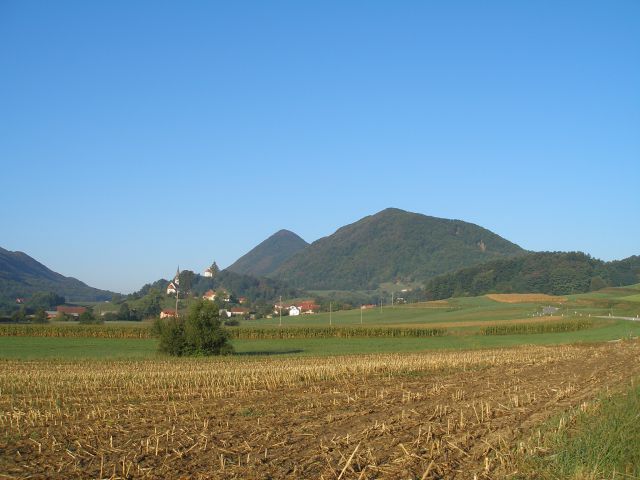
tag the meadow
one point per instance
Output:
(455, 324)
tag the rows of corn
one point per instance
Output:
(533, 328)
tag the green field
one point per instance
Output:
(463, 320)
(52, 347)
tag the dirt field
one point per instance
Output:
(433, 415)
(525, 298)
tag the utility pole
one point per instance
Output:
(361, 314)
(330, 319)
(176, 282)
(392, 299)
(280, 310)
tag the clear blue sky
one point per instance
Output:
(136, 136)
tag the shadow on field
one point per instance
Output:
(267, 352)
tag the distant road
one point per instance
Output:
(633, 319)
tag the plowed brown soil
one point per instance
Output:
(451, 415)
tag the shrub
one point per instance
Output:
(88, 318)
(200, 333)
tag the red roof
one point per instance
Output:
(309, 305)
(168, 311)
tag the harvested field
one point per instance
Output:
(525, 297)
(432, 415)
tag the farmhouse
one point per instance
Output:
(239, 311)
(294, 311)
(168, 313)
(308, 307)
(171, 288)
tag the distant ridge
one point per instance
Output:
(554, 273)
(269, 255)
(22, 276)
(392, 245)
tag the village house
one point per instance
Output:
(308, 307)
(168, 313)
(208, 273)
(239, 311)
(294, 311)
(171, 289)
(71, 311)
(209, 295)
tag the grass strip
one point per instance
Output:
(595, 441)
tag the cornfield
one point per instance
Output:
(76, 331)
(333, 332)
(533, 328)
(249, 333)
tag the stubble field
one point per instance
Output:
(423, 415)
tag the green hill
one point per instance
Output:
(255, 289)
(555, 273)
(22, 276)
(392, 245)
(267, 257)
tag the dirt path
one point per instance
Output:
(449, 424)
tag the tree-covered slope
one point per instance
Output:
(22, 276)
(392, 245)
(269, 255)
(556, 273)
(255, 289)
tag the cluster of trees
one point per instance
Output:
(37, 301)
(555, 273)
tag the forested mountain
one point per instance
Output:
(556, 273)
(22, 276)
(267, 257)
(392, 245)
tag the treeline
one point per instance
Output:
(554, 273)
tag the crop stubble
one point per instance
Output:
(431, 415)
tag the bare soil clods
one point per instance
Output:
(444, 415)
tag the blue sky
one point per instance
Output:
(136, 136)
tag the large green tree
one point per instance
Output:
(199, 333)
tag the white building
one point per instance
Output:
(294, 311)
(171, 289)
